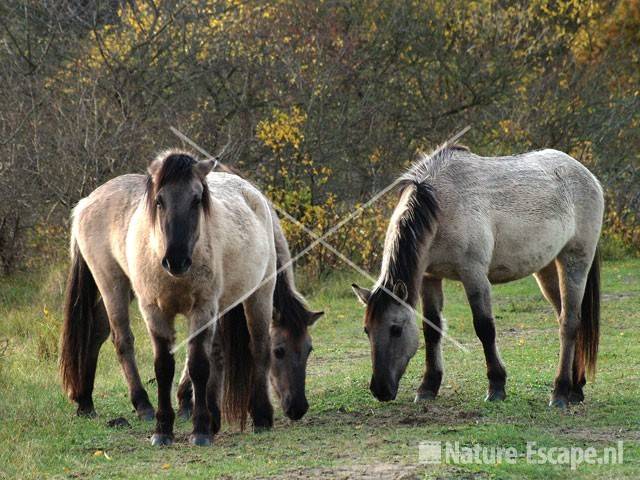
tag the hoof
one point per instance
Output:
(560, 403)
(495, 396)
(200, 439)
(147, 415)
(184, 413)
(86, 412)
(161, 440)
(424, 396)
(262, 424)
(215, 424)
(576, 397)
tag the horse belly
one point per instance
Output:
(522, 249)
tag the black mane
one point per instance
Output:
(413, 228)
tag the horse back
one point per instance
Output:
(242, 233)
(511, 215)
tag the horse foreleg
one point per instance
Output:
(213, 388)
(478, 290)
(185, 388)
(258, 310)
(198, 364)
(160, 327)
(432, 303)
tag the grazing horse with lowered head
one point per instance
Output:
(185, 244)
(480, 221)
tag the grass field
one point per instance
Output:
(346, 433)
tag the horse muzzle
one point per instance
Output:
(383, 391)
(295, 410)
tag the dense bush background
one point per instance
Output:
(320, 103)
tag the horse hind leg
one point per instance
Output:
(432, 304)
(549, 283)
(478, 290)
(100, 332)
(573, 265)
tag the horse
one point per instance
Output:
(289, 332)
(483, 221)
(184, 244)
(290, 338)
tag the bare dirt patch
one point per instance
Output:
(377, 471)
(410, 415)
(601, 434)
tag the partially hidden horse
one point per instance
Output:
(482, 221)
(290, 339)
(184, 244)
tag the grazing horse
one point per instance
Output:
(290, 339)
(480, 221)
(185, 244)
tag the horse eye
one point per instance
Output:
(279, 353)
(396, 330)
(197, 201)
(159, 203)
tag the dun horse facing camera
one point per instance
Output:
(185, 244)
(481, 221)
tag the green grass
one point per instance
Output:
(346, 433)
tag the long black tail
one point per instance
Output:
(79, 325)
(589, 331)
(238, 366)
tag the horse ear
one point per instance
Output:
(153, 167)
(362, 293)
(400, 290)
(313, 317)
(203, 167)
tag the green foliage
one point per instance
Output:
(319, 103)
